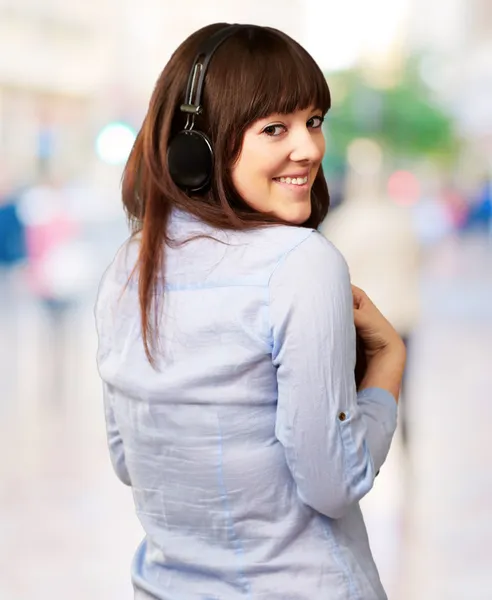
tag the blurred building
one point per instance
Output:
(354, 33)
(67, 69)
(51, 66)
(456, 38)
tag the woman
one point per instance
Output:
(227, 339)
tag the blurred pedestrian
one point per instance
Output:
(479, 217)
(227, 338)
(54, 274)
(12, 233)
(12, 259)
(378, 240)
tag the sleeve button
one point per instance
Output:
(342, 416)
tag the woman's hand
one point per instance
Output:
(374, 329)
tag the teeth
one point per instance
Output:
(293, 180)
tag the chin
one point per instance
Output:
(297, 215)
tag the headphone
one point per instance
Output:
(190, 156)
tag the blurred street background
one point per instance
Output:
(409, 166)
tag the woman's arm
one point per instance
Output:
(385, 352)
(335, 440)
(115, 443)
(102, 312)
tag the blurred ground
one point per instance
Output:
(67, 527)
(430, 517)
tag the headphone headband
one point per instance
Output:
(199, 69)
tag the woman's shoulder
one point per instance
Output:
(282, 240)
(307, 247)
(286, 249)
(117, 274)
(124, 258)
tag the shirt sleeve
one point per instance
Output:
(335, 441)
(102, 312)
(115, 443)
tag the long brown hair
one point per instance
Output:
(254, 73)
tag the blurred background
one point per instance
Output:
(409, 163)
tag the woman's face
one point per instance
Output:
(278, 162)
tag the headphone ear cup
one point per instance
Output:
(190, 160)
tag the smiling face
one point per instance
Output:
(278, 162)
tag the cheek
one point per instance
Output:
(253, 169)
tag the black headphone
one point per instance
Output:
(190, 156)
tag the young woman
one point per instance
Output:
(227, 338)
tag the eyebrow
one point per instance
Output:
(280, 116)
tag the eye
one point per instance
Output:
(274, 130)
(315, 122)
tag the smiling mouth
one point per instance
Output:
(297, 181)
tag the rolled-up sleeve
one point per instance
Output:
(335, 440)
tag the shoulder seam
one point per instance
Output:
(287, 253)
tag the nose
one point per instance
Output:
(308, 145)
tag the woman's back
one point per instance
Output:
(204, 441)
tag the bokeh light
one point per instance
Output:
(114, 143)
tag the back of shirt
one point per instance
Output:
(248, 439)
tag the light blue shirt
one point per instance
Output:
(248, 450)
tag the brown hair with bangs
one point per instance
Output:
(255, 72)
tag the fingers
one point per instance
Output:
(358, 296)
(361, 319)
